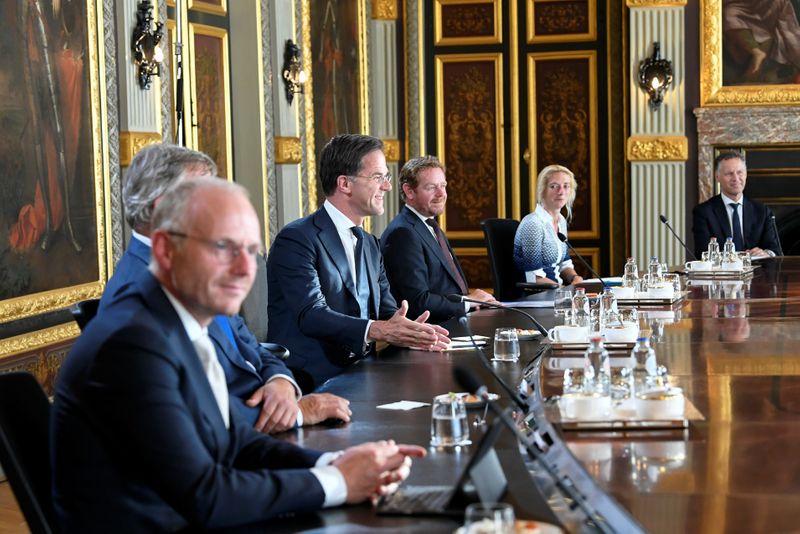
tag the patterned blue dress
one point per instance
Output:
(537, 249)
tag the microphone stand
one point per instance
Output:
(666, 222)
(468, 381)
(564, 240)
(462, 298)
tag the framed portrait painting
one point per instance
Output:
(750, 52)
(53, 162)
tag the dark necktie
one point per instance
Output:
(738, 240)
(442, 240)
(359, 252)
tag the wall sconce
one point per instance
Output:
(147, 52)
(293, 74)
(655, 76)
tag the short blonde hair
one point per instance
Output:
(544, 177)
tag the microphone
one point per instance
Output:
(461, 298)
(467, 380)
(666, 222)
(777, 235)
(463, 321)
(563, 239)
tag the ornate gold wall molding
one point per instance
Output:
(658, 148)
(654, 3)
(38, 339)
(132, 142)
(391, 149)
(288, 150)
(384, 10)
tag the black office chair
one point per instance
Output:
(509, 283)
(25, 447)
(84, 311)
(254, 307)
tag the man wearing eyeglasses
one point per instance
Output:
(329, 299)
(262, 388)
(420, 262)
(144, 437)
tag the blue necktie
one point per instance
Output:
(738, 240)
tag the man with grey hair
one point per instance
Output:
(420, 263)
(143, 436)
(263, 389)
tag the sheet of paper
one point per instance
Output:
(529, 304)
(607, 279)
(465, 344)
(403, 405)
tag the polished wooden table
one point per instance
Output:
(735, 351)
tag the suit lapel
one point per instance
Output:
(183, 350)
(230, 353)
(722, 220)
(748, 224)
(330, 240)
(424, 231)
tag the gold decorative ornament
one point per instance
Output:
(132, 142)
(391, 149)
(655, 3)
(38, 339)
(384, 10)
(288, 150)
(658, 148)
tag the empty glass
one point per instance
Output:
(489, 518)
(562, 301)
(449, 426)
(506, 345)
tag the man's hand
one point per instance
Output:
(483, 296)
(372, 469)
(756, 252)
(401, 331)
(577, 279)
(278, 406)
(317, 407)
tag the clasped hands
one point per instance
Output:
(372, 470)
(403, 332)
(279, 407)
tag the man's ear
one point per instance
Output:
(162, 249)
(408, 191)
(344, 184)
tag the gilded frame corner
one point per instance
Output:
(712, 92)
(58, 298)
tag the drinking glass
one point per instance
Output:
(506, 345)
(449, 426)
(562, 301)
(489, 518)
(747, 261)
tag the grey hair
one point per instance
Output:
(151, 172)
(725, 156)
(544, 177)
(172, 210)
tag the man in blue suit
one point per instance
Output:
(143, 437)
(329, 299)
(420, 263)
(753, 231)
(262, 388)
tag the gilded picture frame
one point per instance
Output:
(60, 147)
(713, 92)
(334, 33)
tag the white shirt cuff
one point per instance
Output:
(331, 479)
(366, 339)
(298, 393)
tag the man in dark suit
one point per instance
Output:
(329, 299)
(420, 263)
(262, 388)
(731, 214)
(143, 437)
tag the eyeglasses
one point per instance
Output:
(225, 250)
(380, 178)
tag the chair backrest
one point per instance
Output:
(499, 234)
(84, 311)
(254, 307)
(25, 448)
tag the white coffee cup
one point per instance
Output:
(698, 265)
(660, 404)
(590, 406)
(567, 333)
(731, 265)
(661, 290)
(623, 292)
(624, 333)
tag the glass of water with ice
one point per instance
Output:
(449, 426)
